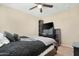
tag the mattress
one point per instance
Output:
(47, 50)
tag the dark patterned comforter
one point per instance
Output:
(22, 48)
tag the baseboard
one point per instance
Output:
(67, 45)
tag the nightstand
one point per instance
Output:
(76, 48)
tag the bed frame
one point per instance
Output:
(56, 36)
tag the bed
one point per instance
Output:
(48, 30)
(30, 46)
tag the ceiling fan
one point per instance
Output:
(40, 6)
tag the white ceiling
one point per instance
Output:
(58, 7)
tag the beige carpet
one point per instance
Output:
(64, 51)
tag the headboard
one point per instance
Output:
(48, 30)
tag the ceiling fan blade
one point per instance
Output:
(38, 3)
(41, 10)
(46, 5)
(32, 7)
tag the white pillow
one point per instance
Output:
(47, 41)
(3, 40)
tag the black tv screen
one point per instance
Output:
(48, 25)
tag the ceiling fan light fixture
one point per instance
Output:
(39, 6)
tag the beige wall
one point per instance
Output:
(16, 21)
(68, 21)
(24, 24)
